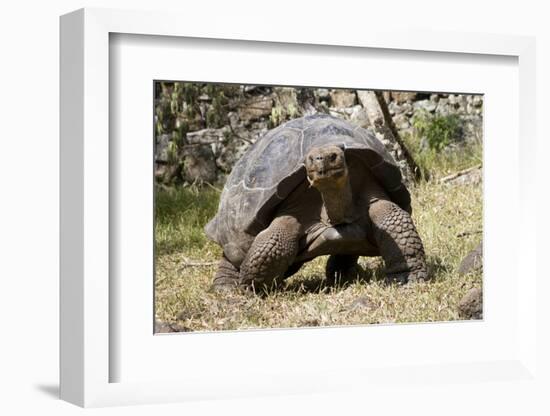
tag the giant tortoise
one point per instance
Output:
(314, 186)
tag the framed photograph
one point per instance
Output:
(286, 213)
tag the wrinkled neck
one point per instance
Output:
(337, 203)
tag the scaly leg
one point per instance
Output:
(398, 241)
(271, 254)
(227, 276)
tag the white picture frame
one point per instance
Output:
(86, 304)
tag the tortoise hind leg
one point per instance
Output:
(271, 254)
(341, 268)
(398, 241)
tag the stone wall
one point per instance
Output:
(203, 145)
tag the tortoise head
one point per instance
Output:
(326, 167)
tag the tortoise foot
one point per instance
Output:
(226, 278)
(403, 278)
(224, 285)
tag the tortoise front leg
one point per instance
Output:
(227, 276)
(271, 254)
(398, 241)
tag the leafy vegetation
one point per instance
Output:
(439, 130)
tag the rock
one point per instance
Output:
(343, 98)
(359, 116)
(408, 109)
(370, 104)
(405, 108)
(311, 322)
(166, 327)
(166, 173)
(401, 121)
(285, 104)
(199, 164)
(384, 141)
(400, 97)
(286, 97)
(254, 131)
(229, 155)
(323, 94)
(471, 305)
(233, 118)
(207, 136)
(442, 106)
(394, 108)
(306, 101)
(458, 101)
(473, 177)
(473, 261)
(254, 108)
(161, 149)
(426, 105)
(348, 111)
(477, 101)
(472, 127)
(195, 122)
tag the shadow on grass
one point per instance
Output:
(373, 273)
(319, 283)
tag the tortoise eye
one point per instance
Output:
(311, 158)
(333, 157)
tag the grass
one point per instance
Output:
(442, 164)
(443, 213)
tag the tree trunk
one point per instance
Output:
(380, 118)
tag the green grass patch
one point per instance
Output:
(180, 216)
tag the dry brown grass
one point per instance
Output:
(441, 212)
